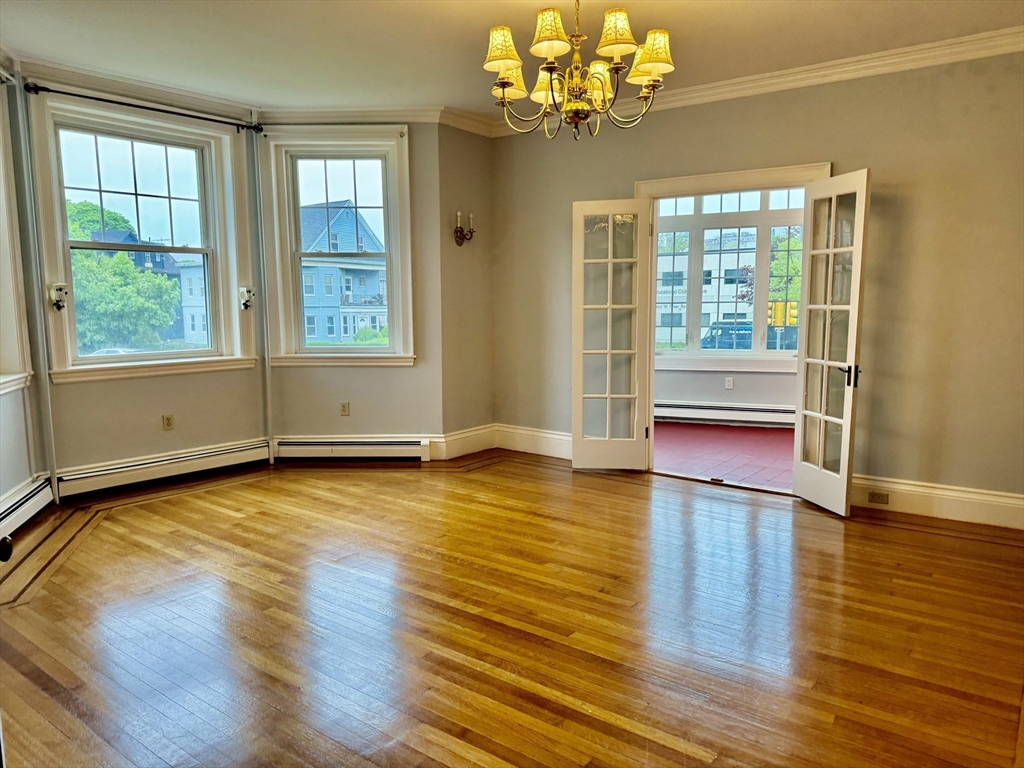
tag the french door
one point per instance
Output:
(835, 226)
(611, 292)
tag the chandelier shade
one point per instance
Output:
(501, 52)
(542, 90)
(657, 60)
(635, 76)
(515, 91)
(616, 37)
(599, 87)
(550, 40)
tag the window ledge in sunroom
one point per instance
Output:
(331, 360)
(137, 369)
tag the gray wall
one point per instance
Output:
(467, 277)
(749, 388)
(383, 401)
(941, 397)
(15, 461)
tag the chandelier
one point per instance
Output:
(577, 94)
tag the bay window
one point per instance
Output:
(140, 222)
(339, 216)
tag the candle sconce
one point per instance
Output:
(462, 235)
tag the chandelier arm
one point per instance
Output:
(558, 127)
(629, 122)
(508, 108)
(597, 130)
(531, 129)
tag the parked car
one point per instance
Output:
(729, 334)
(113, 351)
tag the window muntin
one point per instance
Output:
(746, 249)
(133, 219)
(343, 240)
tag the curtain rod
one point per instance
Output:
(35, 89)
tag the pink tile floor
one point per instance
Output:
(757, 456)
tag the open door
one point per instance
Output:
(835, 226)
(611, 289)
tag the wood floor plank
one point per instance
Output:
(503, 610)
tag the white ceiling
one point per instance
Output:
(315, 54)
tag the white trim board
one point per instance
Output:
(945, 502)
(355, 446)
(678, 410)
(21, 503)
(93, 477)
(14, 382)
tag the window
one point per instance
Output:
(125, 200)
(308, 285)
(330, 326)
(310, 326)
(192, 322)
(328, 285)
(347, 191)
(747, 248)
(129, 221)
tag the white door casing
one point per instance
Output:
(611, 294)
(835, 228)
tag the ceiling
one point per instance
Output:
(318, 54)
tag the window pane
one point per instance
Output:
(730, 202)
(78, 159)
(595, 329)
(595, 284)
(667, 206)
(838, 334)
(595, 374)
(595, 417)
(150, 169)
(727, 295)
(595, 237)
(341, 185)
(809, 452)
(124, 222)
(370, 223)
(133, 302)
(83, 214)
(185, 220)
(833, 446)
(784, 288)
(684, 206)
(622, 374)
(184, 172)
(369, 182)
(712, 204)
(155, 220)
(358, 309)
(116, 172)
(778, 199)
(750, 201)
(312, 179)
(313, 230)
(621, 419)
(624, 236)
(796, 198)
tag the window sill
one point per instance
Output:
(137, 370)
(336, 360)
(737, 363)
(14, 382)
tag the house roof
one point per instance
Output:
(339, 217)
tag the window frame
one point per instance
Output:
(784, 177)
(280, 150)
(223, 216)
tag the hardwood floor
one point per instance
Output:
(503, 610)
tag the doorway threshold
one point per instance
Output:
(722, 483)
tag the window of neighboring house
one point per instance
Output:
(202, 322)
(730, 239)
(328, 285)
(192, 322)
(346, 328)
(330, 326)
(129, 222)
(349, 198)
(308, 287)
(382, 284)
(310, 326)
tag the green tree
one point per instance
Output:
(116, 304)
(84, 219)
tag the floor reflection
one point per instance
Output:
(721, 585)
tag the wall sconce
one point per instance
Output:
(462, 235)
(246, 296)
(59, 295)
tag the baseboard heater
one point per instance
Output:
(355, 449)
(33, 498)
(152, 469)
(771, 414)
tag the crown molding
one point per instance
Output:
(980, 46)
(132, 90)
(349, 115)
(472, 122)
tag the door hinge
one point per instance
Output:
(650, 229)
(647, 433)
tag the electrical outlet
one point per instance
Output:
(728, 382)
(344, 408)
(168, 419)
(877, 497)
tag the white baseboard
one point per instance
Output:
(19, 504)
(542, 442)
(464, 442)
(108, 474)
(946, 502)
(355, 446)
